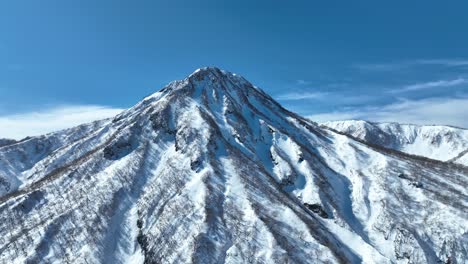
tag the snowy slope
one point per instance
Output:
(461, 158)
(212, 170)
(21, 161)
(435, 142)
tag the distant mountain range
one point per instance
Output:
(443, 143)
(211, 169)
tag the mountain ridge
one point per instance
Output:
(433, 141)
(6, 142)
(211, 169)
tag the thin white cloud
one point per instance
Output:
(392, 66)
(444, 62)
(336, 116)
(439, 111)
(338, 98)
(300, 96)
(302, 82)
(380, 66)
(18, 126)
(433, 84)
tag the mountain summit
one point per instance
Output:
(211, 169)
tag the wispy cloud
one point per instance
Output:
(302, 82)
(380, 66)
(301, 96)
(335, 97)
(432, 84)
(392, 66)
(17, 126)
(444, 62)
(439, 111)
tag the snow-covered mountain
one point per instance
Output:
(443, 143)
(212, 170)
(6, 141)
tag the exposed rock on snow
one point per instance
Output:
(212, 170)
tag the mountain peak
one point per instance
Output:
(206, 70)
(213, 170)
(208, 82)
(209, 72)
(215, 74)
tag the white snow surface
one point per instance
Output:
(443, 143)
(212, 170)
(462, 158)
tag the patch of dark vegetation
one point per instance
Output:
(304, 124)
(5, 184)
(124, 145)
(301, 158)
(162, 120)
(6, 142)
(118, 118)
(72, 174)
(416, 184)
(403, 176)
(318, 209)
(447, 261)
(195, 165)
(405, 255)
(118, 150)
(54, 174)
(31, 201)
(273, 159)
(308, 125)
(143, 241)
(24, 139)
(202, 248)
(287, 181)
(166, 89)
(139, 223)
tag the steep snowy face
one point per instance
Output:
(211, 170)
(436, 142)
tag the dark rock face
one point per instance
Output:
(118, 150)
(34, 199)
(162, 120)
(417, 184)
(318, 209)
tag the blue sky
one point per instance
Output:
(64, 62)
